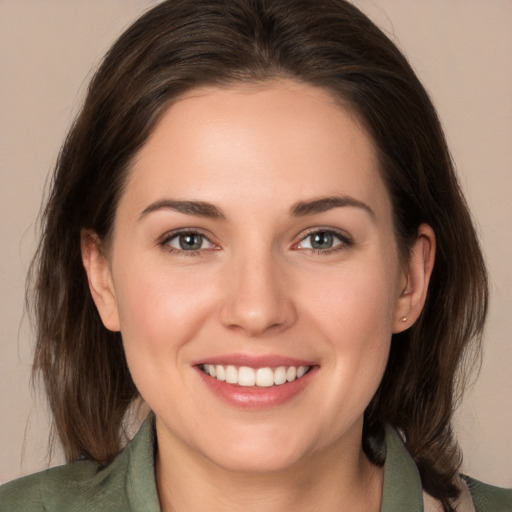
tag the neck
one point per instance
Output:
(334, 480)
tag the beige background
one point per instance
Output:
(461, 49)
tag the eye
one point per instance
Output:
(189, 241)
(323, 240)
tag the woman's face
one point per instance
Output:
(254, 242)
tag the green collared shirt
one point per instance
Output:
(128, 484)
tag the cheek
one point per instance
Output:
(355, 317)
(355, 304)
(160, 311)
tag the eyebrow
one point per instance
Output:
(322, 204)
(299, 209)
(198, 208)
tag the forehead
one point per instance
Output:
(275, 139)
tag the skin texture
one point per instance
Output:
(256, 287)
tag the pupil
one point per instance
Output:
(322, 240)
(190, 242)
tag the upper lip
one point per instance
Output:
(254, 361)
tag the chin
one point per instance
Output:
(261, 462)
(256, 453)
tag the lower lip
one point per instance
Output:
(256, 397)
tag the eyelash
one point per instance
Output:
(345, 242)
(343, 238)
(164, 243)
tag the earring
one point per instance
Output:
(403, 319)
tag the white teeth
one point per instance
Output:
(280, 376)
(250, 377)
(264, 377)
(231, 375)
(301, 370)
(291, 373)
(220, 372)
(246, 376)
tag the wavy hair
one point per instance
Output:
(182, 44)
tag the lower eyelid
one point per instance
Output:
(342, 240)
(169, 237)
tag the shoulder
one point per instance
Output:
(21, 494)
(126, 484)
(28, 493)
(488, 498)
(403, 489)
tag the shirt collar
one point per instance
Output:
(402, 485)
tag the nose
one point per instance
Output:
(257, 296)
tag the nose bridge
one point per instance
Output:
(256, 299)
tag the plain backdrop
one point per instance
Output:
(461, 50)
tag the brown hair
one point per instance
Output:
(182, 44)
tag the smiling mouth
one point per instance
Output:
(245, 376)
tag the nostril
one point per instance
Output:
(256, 321)
(255, 297)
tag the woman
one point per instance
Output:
(255, 227)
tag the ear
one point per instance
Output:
(415, 280)
(100, 279)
